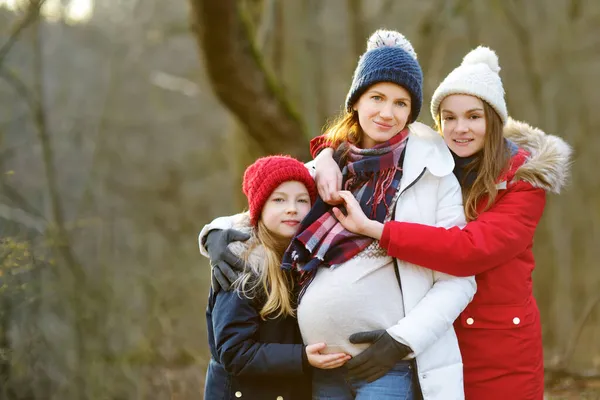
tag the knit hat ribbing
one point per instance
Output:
(389, 58)
(266, 174)
(477, 76)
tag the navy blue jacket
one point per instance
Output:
(252, 358)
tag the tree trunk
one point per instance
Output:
(241, 81)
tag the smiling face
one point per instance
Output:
(285, 208)
(463, 124)
(383, 111)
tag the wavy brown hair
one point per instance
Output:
(344, 128)
(491, 161)
(266, 279)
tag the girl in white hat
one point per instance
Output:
(505, 168)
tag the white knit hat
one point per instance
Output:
(477, 76)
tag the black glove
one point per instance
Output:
(226, 266)
(383, 354)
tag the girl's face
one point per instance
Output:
(382, 112)
(463, 124)
(285, 208)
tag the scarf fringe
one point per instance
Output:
(381, 186)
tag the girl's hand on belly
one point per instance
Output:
(324, 361)
(355, 220)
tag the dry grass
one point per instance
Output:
(573, 389)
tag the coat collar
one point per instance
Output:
(544, 160)
(425, 149)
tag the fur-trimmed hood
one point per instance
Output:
(549, 161)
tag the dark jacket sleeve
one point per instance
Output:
(497, 236)
(235, 326)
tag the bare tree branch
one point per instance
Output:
(20, 87)
(26, 94)
(574, 10)
(430, 28)
(357, 27)
(41, 123)
(240, 79)
(578, 329)
(60, 235)
(18, 200)
(20, 216)
(523, 33)
(265, 28)
(472, 21)
(31, 15)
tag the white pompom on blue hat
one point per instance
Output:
(384, 38)
(390, 57)
(477, 75)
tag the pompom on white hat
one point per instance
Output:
(478, 76)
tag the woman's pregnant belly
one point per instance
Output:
(360, 295)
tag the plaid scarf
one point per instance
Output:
(373, 176)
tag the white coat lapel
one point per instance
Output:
(425, 149)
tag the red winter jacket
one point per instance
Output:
(499, 332)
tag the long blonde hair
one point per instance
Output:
(492, 160)
(266, 278)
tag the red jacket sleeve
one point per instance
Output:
(497, 236)
(317, 144)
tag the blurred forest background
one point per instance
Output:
(125, 126)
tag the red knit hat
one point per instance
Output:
(266, 174)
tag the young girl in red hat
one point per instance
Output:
(256, 348)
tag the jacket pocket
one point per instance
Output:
(497, 316)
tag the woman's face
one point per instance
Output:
(383, 111)
(285, 208)
(463, 124)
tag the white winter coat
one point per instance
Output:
(431, 195)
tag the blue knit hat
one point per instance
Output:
(389, 58)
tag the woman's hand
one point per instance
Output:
(328, 177)
(325, 361)
(355, 219)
